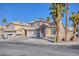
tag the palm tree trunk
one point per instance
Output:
(66, 30)
(74, 31)
(58, 29)
(58, 32)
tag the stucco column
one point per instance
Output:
(48, 32)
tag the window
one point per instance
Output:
(10, 34)
(37, 24)
(32, 25)
(11, 26)
(18, 34)
(54, 31)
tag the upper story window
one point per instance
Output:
(11, 26)
(53, 31)
(37, 24)
(32, 25)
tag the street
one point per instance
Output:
(26, 49)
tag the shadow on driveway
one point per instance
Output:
(74, 47)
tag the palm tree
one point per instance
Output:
(75, 19)
(66, 30)
(48, 20)
(3, 22)
(57, 10)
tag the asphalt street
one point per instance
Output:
(25, 49)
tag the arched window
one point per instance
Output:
(53, 31)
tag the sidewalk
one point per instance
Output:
(39, 41)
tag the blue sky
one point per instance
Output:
(26, 12)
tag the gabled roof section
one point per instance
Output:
(52, 24)
(18, 23)
(37, 20)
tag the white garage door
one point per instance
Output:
(9, 34)
(30, 33)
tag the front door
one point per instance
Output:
(25, 32)
(42, 30)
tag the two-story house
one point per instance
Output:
(36, 28)
(15, 29)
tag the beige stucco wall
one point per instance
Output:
(41, 23)
(48, 32)
(17, 26)
(0, 34)
(30, 33)
(36, 24)
(14, 25)
(21, 31)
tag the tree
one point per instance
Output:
(57, 10)
(4, 20)
(75, 18)
(66, 29)
(48, 20)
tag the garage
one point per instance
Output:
(9, 33)
(31, 33)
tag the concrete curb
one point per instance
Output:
(55, 43)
